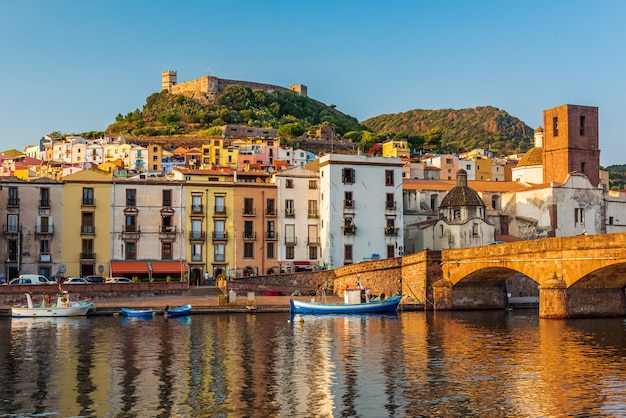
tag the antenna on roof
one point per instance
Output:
(208, 71)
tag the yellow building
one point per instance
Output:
(393, 148)
(86, 223)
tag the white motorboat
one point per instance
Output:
(63, 306)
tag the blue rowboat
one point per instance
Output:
(373, 306)
(179, 311)
(142, 313)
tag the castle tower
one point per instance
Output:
(571, 143)
(168, 79)
(300, 89)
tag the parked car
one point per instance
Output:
(118, 280)
(30, 279)
(57, 279)
(94, 279)
(76, 280)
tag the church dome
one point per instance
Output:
(533, 156)
(461, 195)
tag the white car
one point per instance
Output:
(118, 280)
(77, 280)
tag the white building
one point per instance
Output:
(299, 217)
(529, 170)
(360, 208)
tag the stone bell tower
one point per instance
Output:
(168, 79)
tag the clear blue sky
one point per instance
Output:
(72, 66)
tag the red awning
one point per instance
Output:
(119, 268)
(301, 263)
(160, 267)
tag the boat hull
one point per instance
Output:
(49, 312)
(385, 306)
(180, 311)
(140, 313)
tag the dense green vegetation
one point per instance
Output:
(168, 114)
(617, 176)
(449, 130)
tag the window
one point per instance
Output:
(248, 230)
(219, 204)
(196, 252)
(347, 175)
(475, 230)
(196, 203)
(312, 184)
(610, 220)
(270, 205)
(347, 254)
(391, 251)
(13, 197)
(433, 202)
(579, 217)
(448, 160)
(290, 253)
(289, 183)
(390, 203)
(131, 223)
(313, 237)
(219, 251)
(166, 223)
(12, 223)
(87, 248)
(289, 211)
(248, 206)
(218, 229)
(166, 251)
(312, 252)
(495, 202)
(12, 250)
(582, 126)
(196, 229)
(312, 208)
(88, 196)
(270, 230)
(290, 234)
(582, 167)
(87, 223)
(555, 126)
(44, 248)
(131, 197)
(248, 250)
(44, 225)
(44, 198)
(167, 198)
(270, 250)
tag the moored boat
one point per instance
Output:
(63, 306)
(178, 311)
(356, 301)
(141, 313)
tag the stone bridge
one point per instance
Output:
(580, 276)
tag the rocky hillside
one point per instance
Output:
(450, 130)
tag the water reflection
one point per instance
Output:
(453, 363)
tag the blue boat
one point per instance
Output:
(141, 313)
(358, 307)
(179, 311)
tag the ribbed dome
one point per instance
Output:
(461, 195)
(533, 156)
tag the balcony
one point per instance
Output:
(249, 236)
(10, 229)
(220, 235)
(249, 212)
(290, 213)
(131, 232)
(349, 229)
(197, 209)
(44, 258)
(270, 212)
(11, 257)
(391, 231)
(196, 235)
(13, 202)
(313, 214)
(87, 229)
(88, 201)
(271, 235)
(88, 256)
(348, 204)
(313, 241)
(219, 211)
(44, 230)
(167, 232)
(44, 204)
(196, 258)
(291, 241)
(390, 205)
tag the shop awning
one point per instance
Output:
(161, 267)
(301, 263)
(120, 268)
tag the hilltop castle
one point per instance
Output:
(208, 88)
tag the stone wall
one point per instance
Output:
(286, 284)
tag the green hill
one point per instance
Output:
(450, 130)
(173, 115)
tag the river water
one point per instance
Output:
(481, 364)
